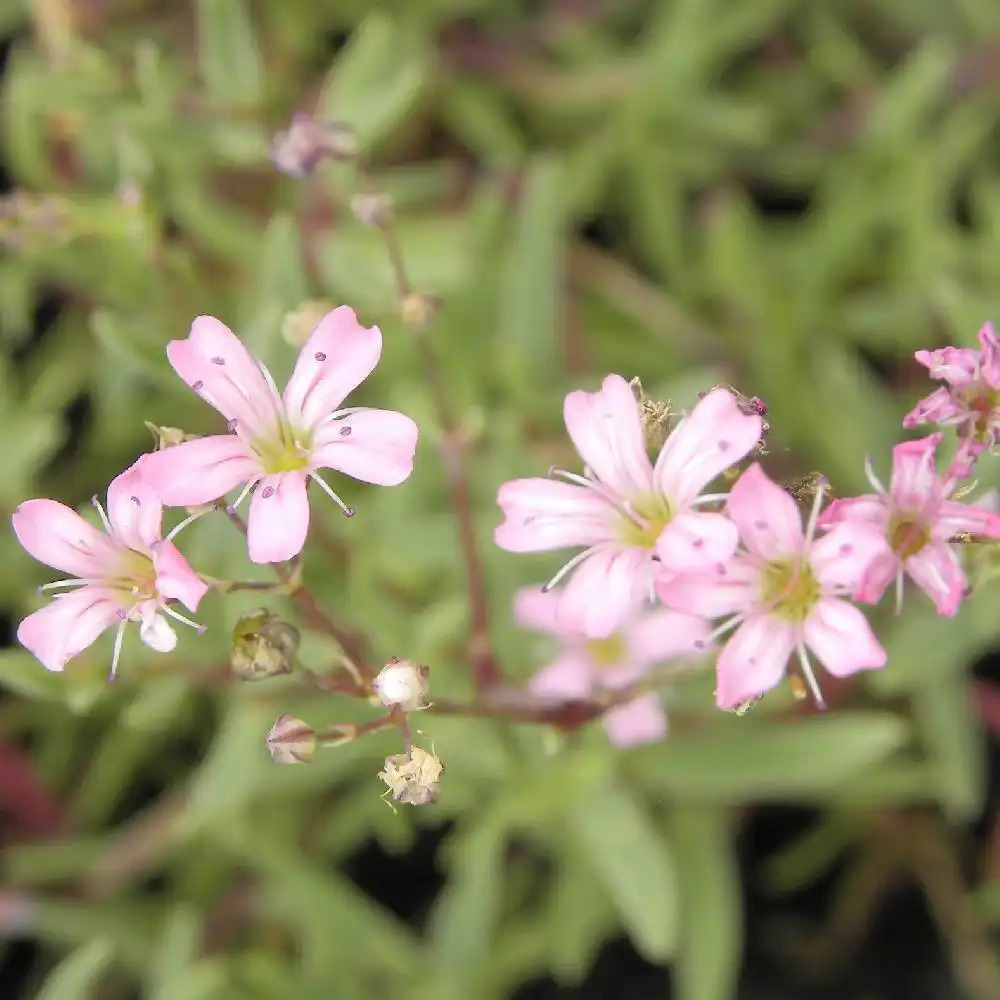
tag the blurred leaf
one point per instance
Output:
(21, 673)
(227, 53)
(620, 844)
(77, 976)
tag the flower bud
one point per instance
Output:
(413, 778)
(299, 149)
(263, 646)
(167, 437)
(301, 321)
(402, 684)
(291, 741)
(418, 311)
(372, 209)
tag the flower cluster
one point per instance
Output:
(741, 561)
(274, 446)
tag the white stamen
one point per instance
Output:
(269, 379)
(814, 513)
(708, 498)
(569, 567)
(100, 510)
(177, 529)
(899, 592)
(872, 478)
(243, 495)
(177, 616)
(348, 511)
(119, 636)
(810, 677)
(599, 488)
(720, 630)
(59, 584)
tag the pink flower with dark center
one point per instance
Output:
(277, 442)
(631, 518)
(784, 591)
(917, 519)
(971, 400)
(584, 666)
(126, 573)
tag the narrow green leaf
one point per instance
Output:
(227, 53)
(179, 947)
(76, 976)
(21, 673)
(621, 845)
(708, 957)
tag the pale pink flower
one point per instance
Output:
(128, 574)
(784, 592)
(584, 666)
(917, 519)
(971, 400)
(630, 516)
(276, 443)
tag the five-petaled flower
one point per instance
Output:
(583, 666)
(631, 517)
(971, 399)
(127, 574)
(277, 442)
(917, 519)
(784, 590)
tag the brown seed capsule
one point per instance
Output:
(263, 646)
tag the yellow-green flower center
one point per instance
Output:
(134, 577)
(285, 450)
(907, 535)
(653, 514)
(608, 652)
(790, 588)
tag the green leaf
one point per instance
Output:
(529, 310)
(619, 842)
(708, 958)
(745, 760)
(378, 77)
(76, 976)
(21, 673)
(228, 55)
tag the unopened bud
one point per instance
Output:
(291, 741)
(263, 645)
(414, 778)
(418, 311)
(402, 684)
(299, 149)
(656, 418)
(301, 321)
(167, 437)
(372, 209)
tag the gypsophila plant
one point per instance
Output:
(687, 555)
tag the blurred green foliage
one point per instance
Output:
(788, 197)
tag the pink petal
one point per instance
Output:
(68, 625)
(915, 481)
(279, 518)
(338, 356)
(953, 517)
(937, 571)
(768, 518)
(872, 508)
(940, 407)
(841, 558)
(214, 362)
(754, 659)
(730, 588)
(989, 362)
(606, 430)
(714, 436)
(881, 571)
(569, 675)
(200, 471)
(604, 590)
(955, 365)
(641, 720)
(57, 536)
(840, 636)
(375, 446)
(694, 542)
(661, 635)
(175, 580)
(134, 509)
(537, 609)
(542, 514)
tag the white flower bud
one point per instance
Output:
(414, 778)
(291, 741)
(402, 684)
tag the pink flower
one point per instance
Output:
(582, 666)
(629, 516)
(277, 442)
(917, 519)
(971, 400)
(128, 574)
(783, 591)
